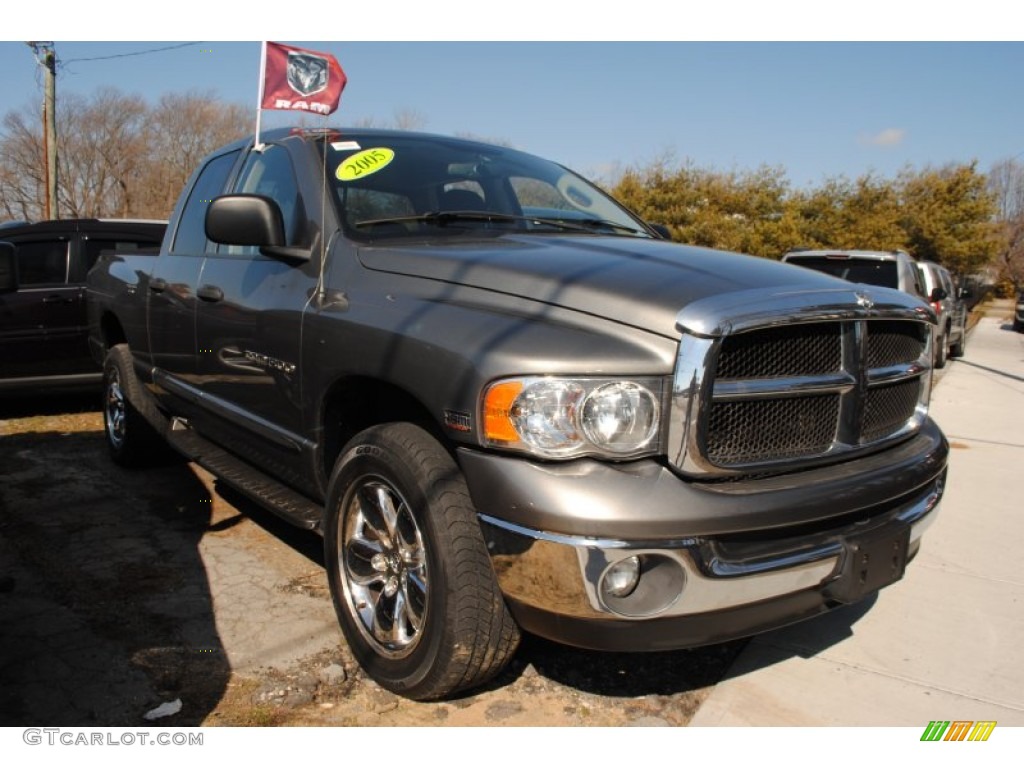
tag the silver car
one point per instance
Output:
(941, 293)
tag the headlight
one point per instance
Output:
(563, 418)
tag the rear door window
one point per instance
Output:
(93, 248)
(269, 173)
(42, 263)
(881, 273)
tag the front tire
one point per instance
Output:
(409, 572)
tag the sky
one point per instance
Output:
(814, 109)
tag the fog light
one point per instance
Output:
(621, 579)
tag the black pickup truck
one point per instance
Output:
(43, 324)
(508, 404)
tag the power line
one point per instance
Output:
(133, 53)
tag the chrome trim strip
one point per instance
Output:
(231, 412)
(737, 389)
(895, 373)
(726, 569)
(713, 594)
(919, 515)
(695, 356)
(561, 573)
(584, 541)
(728, 313)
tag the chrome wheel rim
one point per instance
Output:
(383, 566)
(114, 412)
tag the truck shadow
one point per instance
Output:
(309, 544)
(803, 640)
(22, 405)
(105, 605)
(673, 672)
(996, 371)
(623, 675)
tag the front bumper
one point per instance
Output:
(751, 557)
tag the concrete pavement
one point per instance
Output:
(945, 642)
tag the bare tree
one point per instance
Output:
(182, 129)
(100, 153)
(403, 120)
(22, 184)
(1006, 182)
(117, 155)
(409, 120)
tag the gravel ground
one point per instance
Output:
(124, 591)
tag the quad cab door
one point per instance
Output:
(170, 290)
(41, 330)
(249, 329)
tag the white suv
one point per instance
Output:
(891, 269)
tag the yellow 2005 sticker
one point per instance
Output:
(364, 163)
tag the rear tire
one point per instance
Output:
(409, 572)
(131, 439)
(940, 352)
(957, 350)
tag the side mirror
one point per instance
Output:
(251, 220)
(8, 269)
(662, 231)
(245, 220)
(938, 294)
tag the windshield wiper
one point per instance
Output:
(443, 218)
(600, 223)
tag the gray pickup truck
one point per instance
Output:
(508, 404)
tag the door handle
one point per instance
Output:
(57, 300)
(158, 285)
(210, 293)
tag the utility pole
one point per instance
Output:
(47, 58)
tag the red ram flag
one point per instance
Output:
(294, 78)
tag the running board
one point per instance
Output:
(259, 487)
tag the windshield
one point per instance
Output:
(394, 185)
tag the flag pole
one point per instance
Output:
(257, 146)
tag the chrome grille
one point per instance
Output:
(892, 342)
(778, 396)
(801, 350)
(887, 408)
(743, 431)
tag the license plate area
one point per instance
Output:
(873, 560)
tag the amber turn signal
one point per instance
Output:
(497, 408)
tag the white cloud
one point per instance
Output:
(890, 137)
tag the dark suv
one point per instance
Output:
(43, 328)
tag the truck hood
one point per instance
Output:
(634, 281)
